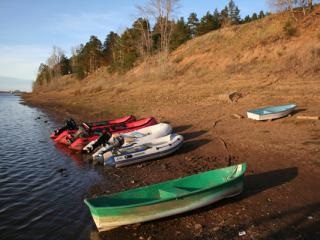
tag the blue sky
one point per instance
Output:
(29, 29)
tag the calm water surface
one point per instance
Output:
(36, 200)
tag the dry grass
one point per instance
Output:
(247, 58)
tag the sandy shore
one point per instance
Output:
(281, 199)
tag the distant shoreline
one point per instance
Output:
(16, 92)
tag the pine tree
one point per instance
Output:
(224, 16)
(254, 17)
(193, 23)
(247, 19)
(108, 47)
(233, 12)
(216, 19)
(261, 14)
(181, 33)
(207, 24)
(93, 50)
(65, 67)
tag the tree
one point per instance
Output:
(254, 17)
(224, 16)
(125, 51)
(161, 11)
(181, 34)
(65, 67)
(157, 36)
(43, 76)
(216, 19)
(233, 12)
(282, 5)
(208, 23)
(246, 19)
(93, 51)
(109, 46)
(261, 14)
(143, 36)
(54, 61)
(78, 62)
(193, 23)
(55, 57)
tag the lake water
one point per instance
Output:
(37, 201)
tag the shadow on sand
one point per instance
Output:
(181, 128)
(190, 135)
(298, 110)
(192, 145)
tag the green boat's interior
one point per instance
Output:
(170, 189)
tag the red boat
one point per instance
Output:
(71, 127)
(81, 142)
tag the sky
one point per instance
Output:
(30, 29)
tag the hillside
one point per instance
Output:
(256, 59)
(266, 66)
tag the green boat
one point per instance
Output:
(166, 198)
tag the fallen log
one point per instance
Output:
(236, 115)
(308, 117)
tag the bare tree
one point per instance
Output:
(161, 12)
(54, 61)
(143, 26)
(282, 5)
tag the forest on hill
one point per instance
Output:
(120, 52)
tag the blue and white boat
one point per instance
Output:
(272, 112)
(154, 149)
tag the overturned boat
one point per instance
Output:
(153, 149)
(166, 198)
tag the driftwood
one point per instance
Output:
(308, 117)
(238, 116)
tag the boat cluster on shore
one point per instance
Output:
(127, 141)
(120, 142)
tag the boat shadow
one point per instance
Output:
(190, 135)
(253, 184)
(192, 145)
(181, 128)
(298, 110)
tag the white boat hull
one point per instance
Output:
(136, 137)
(156, 148)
